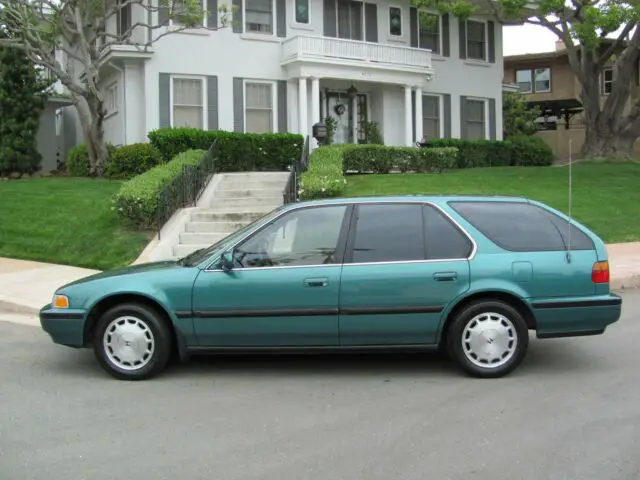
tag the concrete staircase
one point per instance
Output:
(236, 200)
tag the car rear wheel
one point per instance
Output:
(488, 339)
(132, 342)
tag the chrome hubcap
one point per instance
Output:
(128, 343)
(489, 340)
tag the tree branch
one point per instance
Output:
(616, 44)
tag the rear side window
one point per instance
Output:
(388, 233)
(522, 227)
(443, 239)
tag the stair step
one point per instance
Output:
(232, 184)
(226, 216)
(193, 238)
(260, 202)
(180, 250)
(256, 176)
(247, 193)
(214, 227)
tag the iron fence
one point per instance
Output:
(186, 188)
(293, 183)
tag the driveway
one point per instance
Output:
(571, 411)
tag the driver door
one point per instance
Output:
(283, 288)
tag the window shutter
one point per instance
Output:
(238, 104)
(491, 40)
(371, 22)
(462, 30)
(446, 47)
(413, 26)
(212, 13)
(164, 111)
(329, 18)
(492, 119)
(212, 102)
(446, 108)
(282, 106)
(236, 17)
(281, 18)
(463, 117)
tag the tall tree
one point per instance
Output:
(595, 33)
(22, 99)
(79, 29)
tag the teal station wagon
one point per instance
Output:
(468, 275)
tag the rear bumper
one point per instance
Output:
(571, 317)
(65, 327)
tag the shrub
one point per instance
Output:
(324, 178)
(237, 151)
(381, 159)
(529, 151)
(77, 161)
(131, 160)
(137, 200)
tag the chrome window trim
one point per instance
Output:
(474, 246)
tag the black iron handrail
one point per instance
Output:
(185, 190)
(291, 190)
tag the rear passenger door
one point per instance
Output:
(403, 264)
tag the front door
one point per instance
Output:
(283, 288)
(351, 117)
(404, 263)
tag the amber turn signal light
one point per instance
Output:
(60, 301)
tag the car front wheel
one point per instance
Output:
(488, 339)
(132, 342)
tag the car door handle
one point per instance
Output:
(445, 276)
(316, 282)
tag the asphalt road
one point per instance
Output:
(571, 411)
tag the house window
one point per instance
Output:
(111, 100)
(395, 21)
(476, 119)
(124, 18)
(259, 16)
(259, 107)
(302, 11)
(542, 80)
(476, 40)
(524, 81)
(181, 7)
(350, 20)
(607, 80)
(431, 116)
(429, 31)
(188, 103)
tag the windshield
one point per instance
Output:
(200, 255)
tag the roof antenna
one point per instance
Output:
(568, 255)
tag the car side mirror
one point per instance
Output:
(226, 261)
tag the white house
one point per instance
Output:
(284, 65)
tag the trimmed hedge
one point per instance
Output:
(324, 178)
(131, 160)
(381, 159)
(137, 200)
(238, 152)
(530, 151)
(77, 161)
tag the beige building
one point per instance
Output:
(549, 83)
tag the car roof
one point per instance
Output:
(413, 198)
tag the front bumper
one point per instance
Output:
(65, 327)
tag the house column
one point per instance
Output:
(315, 106)
(418, 114)
(302, 106)
(407, 116)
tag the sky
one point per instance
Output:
(527, 39)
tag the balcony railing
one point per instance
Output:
(304, 47)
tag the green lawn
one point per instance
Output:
(606, 196)
(67, 221)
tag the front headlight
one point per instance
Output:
(60, 301)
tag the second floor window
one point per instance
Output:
(429, 31)
(537, 80)
(302, 11)
(607, 80)
(259, 16)
(395, 21)
(476, 40)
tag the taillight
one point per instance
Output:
(600, 272)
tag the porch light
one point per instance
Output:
(352, 92)
(320, 132)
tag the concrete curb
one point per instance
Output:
(18, 308)
(627, 283)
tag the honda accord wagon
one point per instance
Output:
(471, 276)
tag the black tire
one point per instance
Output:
(157, 331)
(519, 332)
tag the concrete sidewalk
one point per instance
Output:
(27, 286)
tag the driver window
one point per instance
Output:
(303, 237)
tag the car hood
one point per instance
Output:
(130, 270)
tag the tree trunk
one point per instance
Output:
(91, 114)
